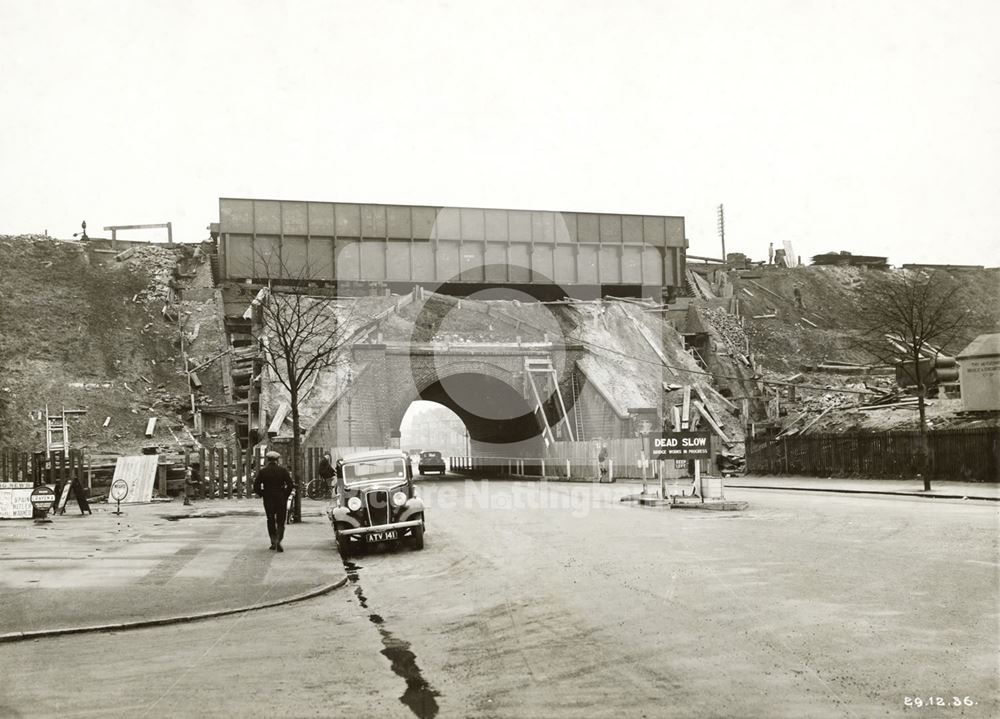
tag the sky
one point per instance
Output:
(871, 126)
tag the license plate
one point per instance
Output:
(385, 536)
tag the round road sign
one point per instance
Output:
(42, 497)
(119, 490)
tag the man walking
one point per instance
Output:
(273, 484)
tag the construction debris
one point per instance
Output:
(729, 328)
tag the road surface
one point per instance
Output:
(560, 601)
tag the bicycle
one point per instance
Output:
(318, 488)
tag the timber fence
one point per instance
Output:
(222, 472)
(229, 472)
(960, 454)
(38, 468)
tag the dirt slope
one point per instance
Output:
(784, 340)
(81, 330)
(832, 300)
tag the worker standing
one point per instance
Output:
(274, 484)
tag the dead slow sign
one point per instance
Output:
(681, 445)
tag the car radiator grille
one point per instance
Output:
(378, 506)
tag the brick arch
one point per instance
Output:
(426, 370)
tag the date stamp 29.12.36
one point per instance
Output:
(920, 702)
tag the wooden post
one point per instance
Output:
(161, 475)
(210, 475)
(251, 470)
(697, 479)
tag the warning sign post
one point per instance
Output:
(683, 445)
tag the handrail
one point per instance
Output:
(529, 467)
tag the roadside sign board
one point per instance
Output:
(119, 490)
(681, 445)
(42, 497)
(15, 500)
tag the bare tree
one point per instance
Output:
(910, 316)
(302, 337)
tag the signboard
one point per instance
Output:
(119, 490)
(681, 445)
(139, 473)
(15, 500)
(43, 497)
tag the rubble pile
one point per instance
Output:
(729, 328)
(26, 238)
(160, 263)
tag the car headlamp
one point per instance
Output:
(399, 499)
(354, 504)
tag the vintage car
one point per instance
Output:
(375, 501)
(431, 462)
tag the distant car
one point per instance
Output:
(431, 462)
(375, 501)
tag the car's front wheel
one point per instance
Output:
(417, 537)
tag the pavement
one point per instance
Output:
(156, 563)
(164, 562)
(940, 489)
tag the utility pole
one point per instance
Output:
(722, 231)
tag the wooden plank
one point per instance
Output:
(790, 425)
(150, 426)
(724, 400)
(811, 324)
(770, 292)
(704, 400)
(676, 411)
(139, 472)
(894, 405)
(711, 422)
(644, 333)
(686, 410)
(279, 417)
(815, 420)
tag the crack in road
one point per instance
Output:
(419, 696)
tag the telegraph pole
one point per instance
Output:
(722, 231)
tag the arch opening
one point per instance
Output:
(498, 420)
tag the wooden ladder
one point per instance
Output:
(577, 418)
(542, 366)
(56, 433)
